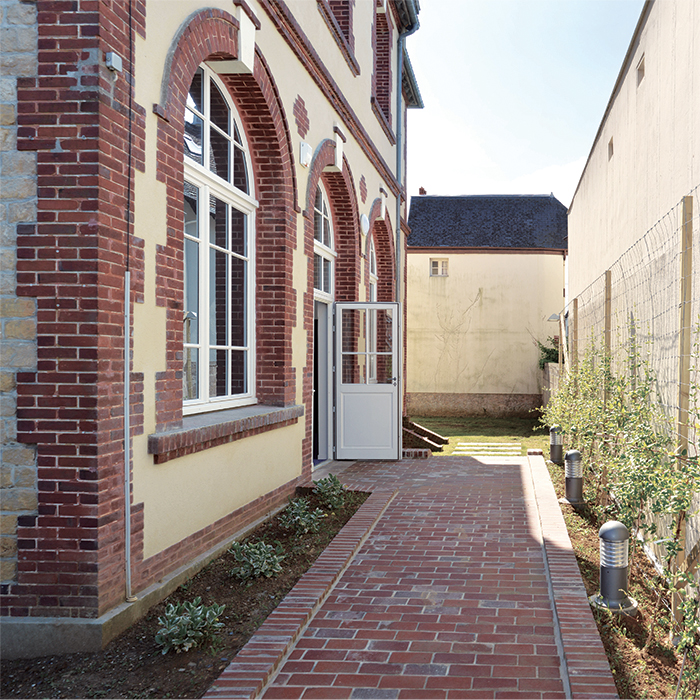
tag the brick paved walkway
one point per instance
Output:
(455, 580)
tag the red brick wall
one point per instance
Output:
(381, 78)
(75, 114)
(386, 257)
(342, 11)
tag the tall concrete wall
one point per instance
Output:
(646, 155)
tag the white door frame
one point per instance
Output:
(367, 410)
(323, 372)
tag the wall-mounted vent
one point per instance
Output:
(640, 70)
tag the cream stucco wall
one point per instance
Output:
(474, 331)
(654, 125)
(186, 494)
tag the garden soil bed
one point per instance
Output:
(132, 666)
(638, 672)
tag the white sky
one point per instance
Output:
(514, 92)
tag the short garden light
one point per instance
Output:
(573, 471)
(614, 552)
(556, 450)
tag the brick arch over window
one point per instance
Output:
(210, 35)
(381, 231)
(340, 189)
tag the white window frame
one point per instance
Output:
(210, 184)
(323, 251)
(439, 267)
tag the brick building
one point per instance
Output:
(190, 192)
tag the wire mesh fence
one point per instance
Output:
(648, 302)
(640, 302)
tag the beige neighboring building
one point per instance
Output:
(485, 273)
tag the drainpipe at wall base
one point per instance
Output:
(130, 598)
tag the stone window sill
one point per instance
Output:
(205, 430)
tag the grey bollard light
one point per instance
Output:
(573, 471)
(614, 552)
(556, 450)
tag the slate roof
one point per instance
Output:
(488, 221)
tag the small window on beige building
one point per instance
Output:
(438, 267)
(611, 150)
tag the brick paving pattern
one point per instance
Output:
(449, 596)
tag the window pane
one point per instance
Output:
(239, 384)
(384, 330)
(318, 226)
(319, 199)
(192, 143)
(239, 225)
(317, 271)
(353, 329)
(236, 134)
(217, 372)
(218, 287)
(354, 369)
(218, 222)
(219, 157)
(327, 267)
(385, 373)
(190, 210)
(218, 109)
(238, 308)
(240, 171)
(194, 98)
(190, 384)
(191, 319)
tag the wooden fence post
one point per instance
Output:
(685, 321)
(607, 332)
(574, 335)
(684, 349)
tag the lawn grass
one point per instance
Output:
(527, 431)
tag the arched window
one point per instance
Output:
(219, 214)
(373, 277)
(324, 255)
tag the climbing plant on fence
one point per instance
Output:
(633, 471)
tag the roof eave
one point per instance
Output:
(409, 84)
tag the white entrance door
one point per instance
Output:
(366, 372)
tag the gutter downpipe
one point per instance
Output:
(130, 597)
(399, 159)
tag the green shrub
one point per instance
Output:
(549, 352)
(330, 492)
(298, 517)
(256, 559)
(187, 625)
